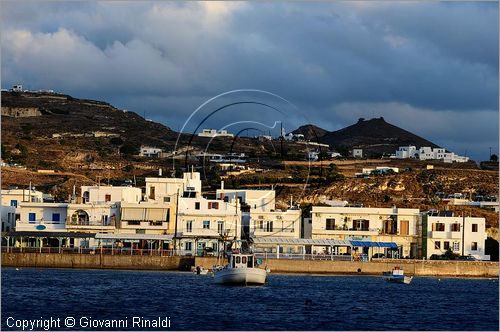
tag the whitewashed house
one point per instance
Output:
(11, 199)
(148, 151)
(461, 235)
(214, 133)
(388, 226)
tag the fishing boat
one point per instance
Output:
(241, 270)
(397, 275)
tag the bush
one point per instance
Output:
(129, 149)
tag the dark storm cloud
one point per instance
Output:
(415, 63)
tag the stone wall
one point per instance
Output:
(97, 261)
(411, 267)
(20, 112)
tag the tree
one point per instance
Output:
(494, 158)
(129, 149)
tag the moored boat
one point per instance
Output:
(397, 275)
(241, 270)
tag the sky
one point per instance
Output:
(427, 67)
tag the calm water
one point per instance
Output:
(287, 302)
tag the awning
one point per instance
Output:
(295, 241)
(79, 235)
(390, 245)
(110, 236)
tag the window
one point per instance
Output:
(244, 259)
(455, 227)
(213, 205)
(107, 198)
(56, 217)
(13, 203)
(197, 205)
(474, 228)
(166, 199)
(188, 246)
(152, 192)
(437, 245)
(438, 226)
(206, 224)
(404, 227)
(330, 224)
(269, 226)
(456, 246)
(446, 245)
(261, 224)
(220, 226)
(238, 259)
(473, 246)
(31, 217)
(189, 226)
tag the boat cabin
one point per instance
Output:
(241, 260)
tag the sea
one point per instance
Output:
(72, 299)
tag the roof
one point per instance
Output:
(323, 242)
(316, 242)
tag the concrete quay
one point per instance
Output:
(180, 263)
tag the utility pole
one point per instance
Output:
(463, 232)
(176, 215)
(490, 154)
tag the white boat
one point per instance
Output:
(199, 270)
(397, 275)
(241, 270)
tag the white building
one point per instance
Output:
(405, 152)
(11, 199)
(163, 190)
(382, 225)
(463, 236)
(42, 217)
(110, 194)
(148, 151)
(203, 223)
(17, 88)
(257, 200)
(428, 153)
(357, 153)
(214, 133)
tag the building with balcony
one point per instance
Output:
(147, 218)
(163, 189)
(377, 225)
(110, 194)
(257, 200)
(42, 217)
(276, 224)
(93, 218)
(461, 235)
(204, 224)
(11, 199)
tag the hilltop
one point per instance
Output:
(375, 136)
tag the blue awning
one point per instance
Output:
(390, 245)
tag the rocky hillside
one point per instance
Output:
(375, 137)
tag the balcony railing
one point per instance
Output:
(100, 223)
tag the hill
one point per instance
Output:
(311, 132)
(374, 136)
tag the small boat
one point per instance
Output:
(241, 270)
(397, 275)
(199, 270)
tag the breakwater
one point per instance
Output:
(180, 263)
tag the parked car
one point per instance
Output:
(466, 258)
(437, 257)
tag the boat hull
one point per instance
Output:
(400, 280)
(240, 276)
